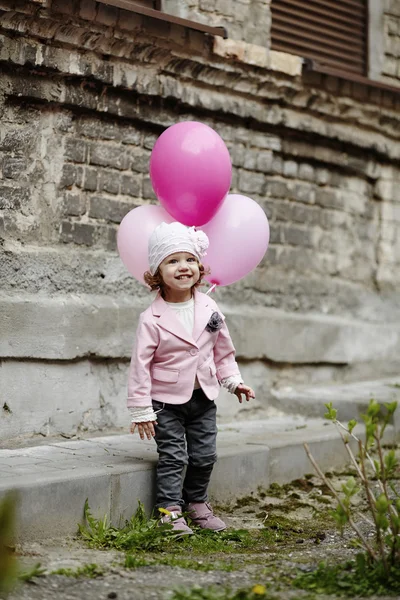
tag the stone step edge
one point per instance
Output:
(104, 326)
(53, 508)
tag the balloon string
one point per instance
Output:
(212, 288)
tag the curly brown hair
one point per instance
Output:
(155, 282)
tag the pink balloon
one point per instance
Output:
(190, 170)
(239, 236)
(133, 237)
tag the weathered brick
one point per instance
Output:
(18, 141)
(71, 175)
(264, 161)
(266, 141)
(298, 213)
(13, 198)
(147, 190)
(107, 15)
(322, 176)
(331, 218)
(277, 189)
(306, 172)
(250, 159)
(384, 189)
(100, 129)
(108, 156)
(110, 238)
(131, 185)
(107, 209)
(130, 21)
(74, 205)
(251, 182)
(239, 154)
(277, 165)
(290, 168)
(30, 53)
(13, 168)
(83, 234)
(75, 150)
(130, 135)
(91, 178)
(88, 9)
(139, 161)
(109, 182)
(149, 140)
(303, 193)
(67, 7)
(296, 235)
(207, 5)
(329, 198)
(64, 122)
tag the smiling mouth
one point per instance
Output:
(183, 277)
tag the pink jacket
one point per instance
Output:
(166, 359)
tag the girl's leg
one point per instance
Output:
(201, 437)
(172, 455)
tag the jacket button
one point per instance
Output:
(193, 351)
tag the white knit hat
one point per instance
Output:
(169, 238)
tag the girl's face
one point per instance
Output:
(179, 271)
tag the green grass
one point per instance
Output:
(134, 561)
(352, 578)
(257, 592)
(91, 570)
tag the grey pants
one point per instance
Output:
(185, 435)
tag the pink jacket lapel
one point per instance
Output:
(169, 321)
(202, 314)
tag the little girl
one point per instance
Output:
(183, 352)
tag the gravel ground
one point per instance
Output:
(306, 537)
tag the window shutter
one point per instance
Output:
(332, 32)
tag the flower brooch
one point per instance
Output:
(215, 323)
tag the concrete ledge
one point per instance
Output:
(351, 399)
(54, 481)
(70, 327)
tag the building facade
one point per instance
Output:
(85, 90)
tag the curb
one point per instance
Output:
(114, 472)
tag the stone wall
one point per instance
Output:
(248, 20)
(391, 65)
(84, 94)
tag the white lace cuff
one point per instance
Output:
(142, 414)
(231, 383)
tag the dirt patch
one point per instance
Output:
(285, 530)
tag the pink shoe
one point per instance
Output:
(202, 515)
(177, 521)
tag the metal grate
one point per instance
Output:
(333, 32)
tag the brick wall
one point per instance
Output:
(391, 64)
(248, 20)
(83, 101)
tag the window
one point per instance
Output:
(333, 33)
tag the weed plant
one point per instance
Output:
(142, 533)
(257, 592)
(139, 533)
(378, 567)
(8, 563)
(91, 571)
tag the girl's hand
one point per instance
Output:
(145, 429)
(246, 390)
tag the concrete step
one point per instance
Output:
(114, 472)
(351, 399)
